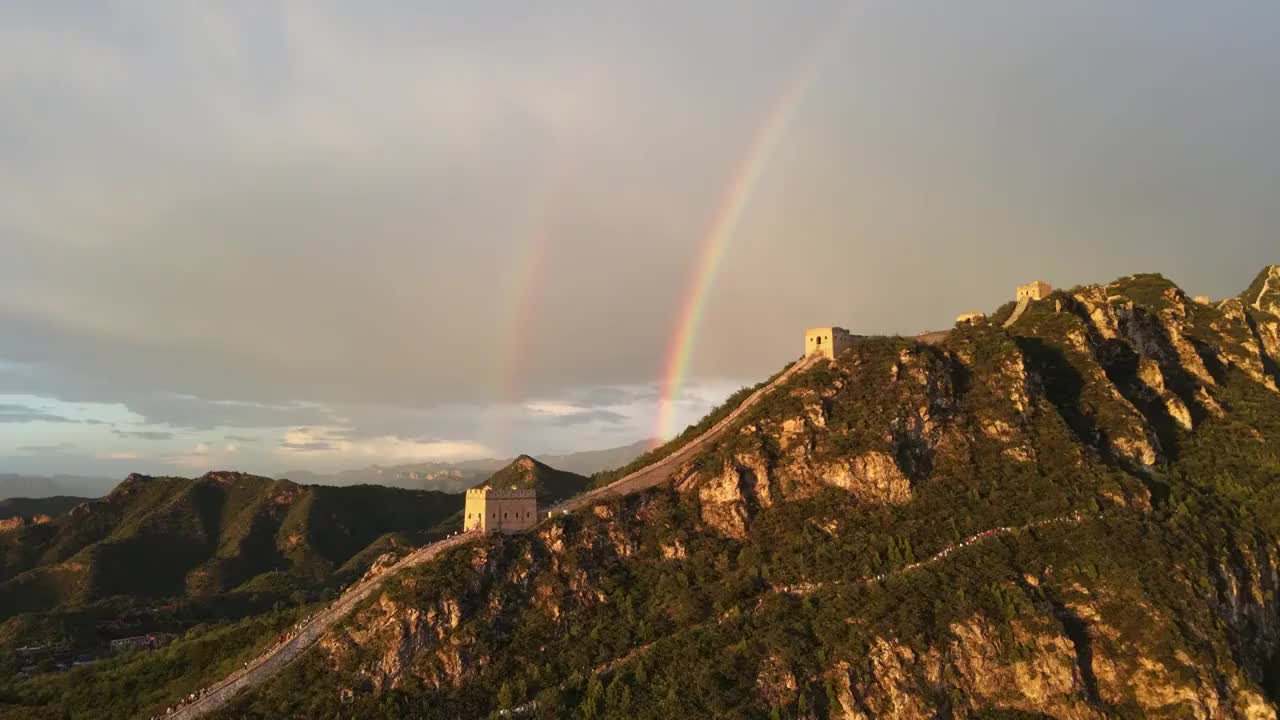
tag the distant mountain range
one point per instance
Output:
(456, 477)
(438, 476)
(13, 485)
(37, 508)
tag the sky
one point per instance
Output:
(316, 235)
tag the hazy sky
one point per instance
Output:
(270, 235)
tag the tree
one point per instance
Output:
(833, 698)
(504, 696)
(590, 708)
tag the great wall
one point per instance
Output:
(276, 659)
(660, 471)
(266, 665)
(820, 343)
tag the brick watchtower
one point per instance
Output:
(826, 341)
(494, 510)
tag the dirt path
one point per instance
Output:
(265, 666)
(1071, 519)
(801, 589)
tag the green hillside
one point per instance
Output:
(1074, 517)
(170, 537)
(29, 508)
(525, 473)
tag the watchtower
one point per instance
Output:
(493, 510)
(826, 341)
(1037, 290)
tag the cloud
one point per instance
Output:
(241, 438)
(554, 409)
(320, 215)
(22, 414)
(614, 396)
(123, 455)
(567, 414)
(338, 442)
(148, 404)
(197, 413)
(143, 434)
(312, 446)
(446, 149)
(605, 417)
(563, 414)
(198, 457)
(54, 449)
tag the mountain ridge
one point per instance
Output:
(1072, 517)
(1110, 403)
(172, 536)
(526, 473)
(458, 476)
(440, 476)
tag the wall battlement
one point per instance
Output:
(495, 493)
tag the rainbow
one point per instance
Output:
(733, 201)
(524, 291)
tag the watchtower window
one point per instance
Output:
(819, 339)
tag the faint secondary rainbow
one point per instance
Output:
(733, 200)
(524, 291)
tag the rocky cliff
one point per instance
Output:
(1076, 516)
